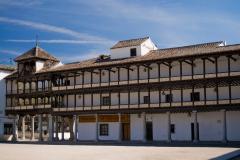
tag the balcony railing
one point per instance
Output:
(151, 105)
(125, 82)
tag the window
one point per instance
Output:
(103, 129)
(106, 101)
(168, 98)
(133, 52)
(8, 129)
(195, 96)
(67, 83)
(172, 128)
(146, 99)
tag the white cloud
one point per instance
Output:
(11, 52)
(57, 41)
(83, 56)
(57, 29)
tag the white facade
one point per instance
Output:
(3, 119)
(142, 49)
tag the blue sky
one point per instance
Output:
(73, 30)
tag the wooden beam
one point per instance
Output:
(209, 59)
(147, 66)
(232, 58)
(167, 64)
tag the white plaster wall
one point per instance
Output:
(233, 127)
(198, 67)
(154, 97)
(123, 74)
(175, 70)
(235, 65)
(133, 74)
(114, 76)
(182, 123)
(114, 98)
(186, 69)
(210, 67)
(79, 100)
(96, 99)
(87, 78)
(3, 74)
(143, 72)
(222, 64)
(164, 70)
(147, 46)
(136, 127)
(124, 98)
(211, 94)
(210, 126)
(79, 79)
(113, 131)
(39, 65)
(154, 71)
(87, 99)
(235, 92)
(160, 127)
(133, 97)
(87, 131)
(123, 52)
(142, 94)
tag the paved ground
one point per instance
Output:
(108, 152)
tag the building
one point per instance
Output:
(5, 122)
(138, 93)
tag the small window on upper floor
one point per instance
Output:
(133, 52)
(106, 101)
(195, 96)
(146, 99)
(168, 98)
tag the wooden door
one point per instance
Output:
(125, 131)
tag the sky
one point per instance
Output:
(74, 30)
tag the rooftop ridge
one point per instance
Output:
(135, 39)
(192, 46)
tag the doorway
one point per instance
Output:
(149, 131)
(192, 131)
(125, 131)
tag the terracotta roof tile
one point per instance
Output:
(130, 42)
(36, 52)
(160, 54)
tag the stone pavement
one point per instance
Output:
(10, 151)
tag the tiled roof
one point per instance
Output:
(130, 42)
(7, 67)
(36, 52)
(160, 54)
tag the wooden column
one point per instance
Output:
(224, 126)
(159, 72)
(195, 127)
(139, 98)
(230, 92)
(128, 98)
(50, 128)
(138, 74)
(74, 81)
(40, 125)
(159, 96)
(149, 97)
(217, 93)
(128, 77)
(204, 68)
(91, 78)
(96, 117)
(180, 63)
(118, 75)
(119, 99)
(109, 77)
(100, 77)
(216, 66)
(170, 71)
(181, 96)
(229, 65)
(192, 67)
(169, 127)
(83, 72)
(205, 95)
